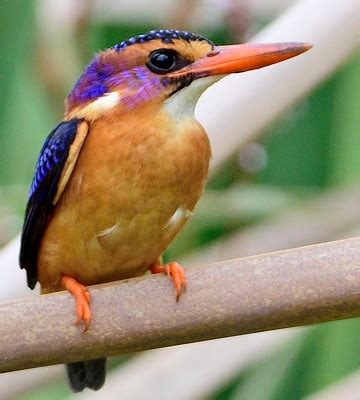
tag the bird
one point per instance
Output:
(120, 175)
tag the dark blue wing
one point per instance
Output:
(50, 164)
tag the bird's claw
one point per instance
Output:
(176, 272)
(82, 299)
(83, 311)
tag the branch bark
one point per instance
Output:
(270, 291)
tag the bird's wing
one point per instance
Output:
(56, 162)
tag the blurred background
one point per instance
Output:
(296, 182)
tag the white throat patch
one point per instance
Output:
(182, 104)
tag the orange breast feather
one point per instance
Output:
(135, 183)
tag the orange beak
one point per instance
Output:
(242, 57)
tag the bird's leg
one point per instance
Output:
(82, 299)
(175, 271)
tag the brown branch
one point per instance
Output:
(271, 291)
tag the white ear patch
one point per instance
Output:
(182, 104)
(100, 105)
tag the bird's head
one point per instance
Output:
(168, 68)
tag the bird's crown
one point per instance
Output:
(165, 35)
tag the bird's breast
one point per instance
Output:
(135, 184)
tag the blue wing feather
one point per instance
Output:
(50, 164)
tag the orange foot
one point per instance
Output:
(175, 271)
(82, 299)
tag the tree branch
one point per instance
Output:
(270, 291)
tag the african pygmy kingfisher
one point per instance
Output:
(117, 179)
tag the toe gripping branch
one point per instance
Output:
(82, 296)
(82, 299)
(175, 271)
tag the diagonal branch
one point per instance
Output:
(270, 291)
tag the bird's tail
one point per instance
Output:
(86, 374)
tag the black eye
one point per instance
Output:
(162, 61)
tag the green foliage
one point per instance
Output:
(344, 149)
(26, 117)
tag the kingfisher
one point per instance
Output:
(120, 175)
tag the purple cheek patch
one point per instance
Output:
(100, 78)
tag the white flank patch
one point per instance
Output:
(108, 239)
(182, 104)
(101, 105)
(179, 215)
(108, 231)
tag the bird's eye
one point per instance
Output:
(162, 61)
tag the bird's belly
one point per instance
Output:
(134, 236)
(109, 243)
(114, 222)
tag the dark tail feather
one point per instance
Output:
(85, 374)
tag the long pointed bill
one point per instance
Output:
(242, 57)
